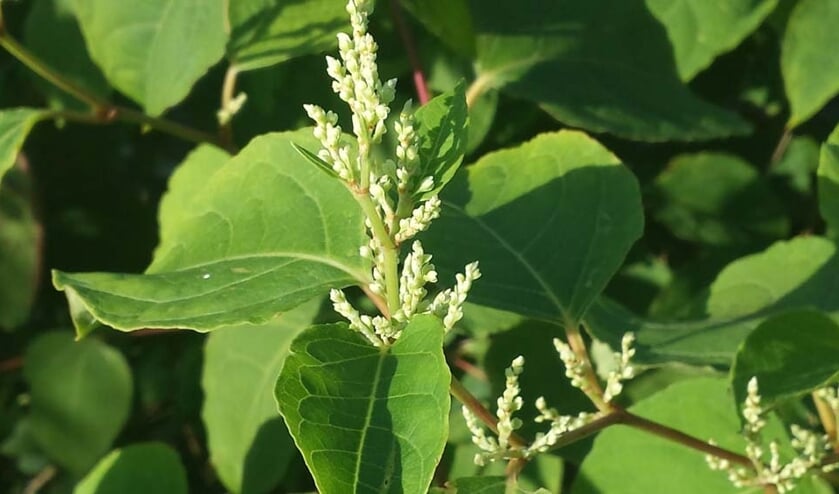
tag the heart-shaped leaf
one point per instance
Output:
(368, 419)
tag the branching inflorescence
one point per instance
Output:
(389, 191)
(510, 402)
(770, 469)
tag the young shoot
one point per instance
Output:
(388, 191)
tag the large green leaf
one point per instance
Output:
(441, 127)
(368, 419)
(795, 274)
(248, 442)
(155, 50)
(20, 249)
(549, 221)
(828, 174)
(52, 33)
(790, 354)
(15, 124)
(136, 469)
(629, 461)
(699, 30)
(603, 65)
(719, 199)
(265, 233)
(808, 57)
(267, 32)
(80, 398)
(185, 189)
(700, 342)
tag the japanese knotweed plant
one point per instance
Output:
(367, 400)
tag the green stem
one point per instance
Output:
(36, 65)
(592, 388)
(227, 90)
(102, 111)
(389, 250)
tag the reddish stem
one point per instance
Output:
(423, 94)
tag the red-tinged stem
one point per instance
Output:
(423, 94)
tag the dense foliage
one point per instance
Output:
(665, 168)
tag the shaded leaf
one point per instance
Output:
(700, 30)
(15, 124)
(603, 65)
(265, 233)
(745, 293)
(755, 283)
(248, 442)
(698, 342)
(718, 199)
(20, 250)
(828, 180)
(136, 469)
(52, 33)
(368, 419)
(550, 222)
(441, 129)
(808, 57)
(790, 354)
(68, 382)
(268, 32)
(449, 20)
(153, 51)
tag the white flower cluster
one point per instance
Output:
(508, 404)
(394, 188)
(560, 424)
(810, 450)
(449, 303)
(624, 372)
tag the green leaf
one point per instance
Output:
(828, 173)
(629, 461)
(185, 188)
(15, 124)
(449, 20)
(790, 354)
(441, 129)
(137, 469)
(20, 249)
(248, 442)
(368, 419)
(52, 33)
(755, 283)
(518, 211)
(480, 485)
(808, 57)
(699, 342)
(600, 65)
(268, 32)
(68, 382)
(745, 293)
(153, 51)
(718, 199)
(700, 30)
(264, 233)
(315, 160)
